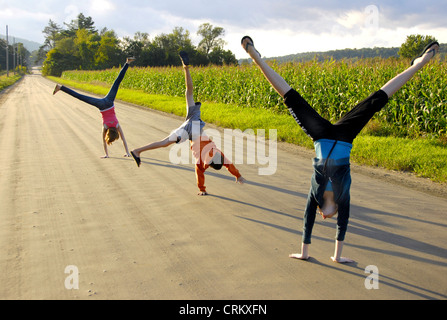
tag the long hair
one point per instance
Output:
(217, 161)
(112, 135)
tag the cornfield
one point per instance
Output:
(331, 87)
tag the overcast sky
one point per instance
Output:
(278, 27)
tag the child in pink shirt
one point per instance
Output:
(111, 127)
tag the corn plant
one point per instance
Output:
(331, 87)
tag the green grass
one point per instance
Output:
(8, 81)
(425, 157)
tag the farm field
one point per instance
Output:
(332, 88)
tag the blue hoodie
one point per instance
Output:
(333, 171)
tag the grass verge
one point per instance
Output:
(8, 81)
(423, 157)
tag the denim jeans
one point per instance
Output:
(108, 100)
(339, 173)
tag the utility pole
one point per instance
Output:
(7, 60)
(14, 54)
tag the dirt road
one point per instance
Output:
(69, 217)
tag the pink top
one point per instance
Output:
(109, 118)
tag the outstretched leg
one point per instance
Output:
(278, 83)
(350, 125)
(189, 92)
(101, 104)
(98, 103)
(310, 121)
(392, 86)
(155, 145)
(114, 89)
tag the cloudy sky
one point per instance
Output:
(278, 27)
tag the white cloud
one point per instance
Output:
(100, 7)
(70, 13)
(279, 27)
(352, 19)
(17, 14)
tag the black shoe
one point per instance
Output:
(425, 50)
(184, 57)
(137, 159)
(249, 43)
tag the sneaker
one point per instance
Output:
(56, 89)
(184, 57)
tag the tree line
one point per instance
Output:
(80, 46)
(18, 56)
(409, 49)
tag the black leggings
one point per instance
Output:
(346, 129)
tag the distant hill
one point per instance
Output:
(336, 55)
(341, 54)
(29, 45)
(346, 54)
